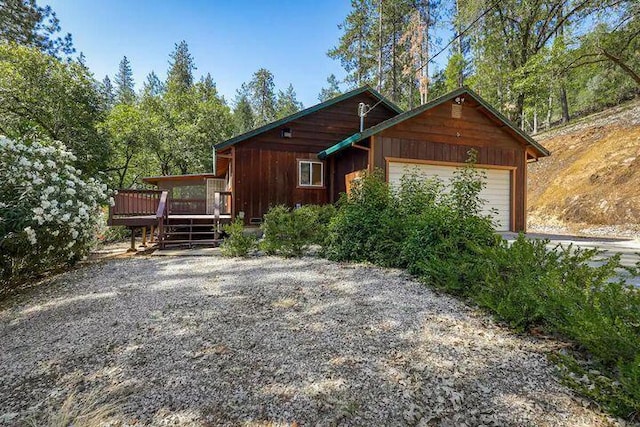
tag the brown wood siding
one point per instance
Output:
(266, 166)
(348, 161)
(435, 135)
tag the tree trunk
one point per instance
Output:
(549, 111)
(394, 73)
(459, 38)
(564, 103)
(519, 112)
(380, 39)
(425, 69)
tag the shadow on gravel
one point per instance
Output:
(214, 341)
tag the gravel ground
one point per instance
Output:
(266, 341)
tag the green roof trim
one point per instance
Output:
(340, 146)
(307, 111)
(353, 139)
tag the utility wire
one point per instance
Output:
(463, 32)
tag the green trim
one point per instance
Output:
(421, 109)
(340, 146)
(305, 112)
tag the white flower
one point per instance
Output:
(31, 235)
(51, 164)
(45, 204)
(38, 211)
(65, 218)
(74, 234)
(55, 233)
(70, 191)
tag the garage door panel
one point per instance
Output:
(497, 193)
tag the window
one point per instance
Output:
(310, 173)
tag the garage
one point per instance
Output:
(440, 136)
(497, 192)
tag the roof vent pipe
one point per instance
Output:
(363, 109)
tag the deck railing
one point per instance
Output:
(187, 206)
(135, 203)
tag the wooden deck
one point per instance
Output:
(170, 222)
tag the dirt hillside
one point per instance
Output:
(591, 181)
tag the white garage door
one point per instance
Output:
(497, 193)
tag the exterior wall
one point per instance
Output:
(266, 165)
(435, 136)
(344, 163)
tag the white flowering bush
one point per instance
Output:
(48, 211)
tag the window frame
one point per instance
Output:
(311, 163)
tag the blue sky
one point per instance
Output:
(228, 39)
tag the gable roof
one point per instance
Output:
(421, 109)
(307, 111)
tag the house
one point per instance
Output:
(311, 156)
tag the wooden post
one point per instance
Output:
(152, 237)
(144, 237)
(133, 241)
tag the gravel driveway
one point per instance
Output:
(266, 341)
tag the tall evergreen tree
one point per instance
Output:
(25, 23)
(181, 68)
(262, 96)
(208, 87)
(125, 93)
(287, 102)
(243, 118)
(354, 50)
(107, 92)
(331, 91)
(152, 86)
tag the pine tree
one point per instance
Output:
(125, 93)
(331, 91)
(262, 96)
(107, 92)
(208, 88)
(181, 67)
(25, 23)
(287, 102)
(152, 86)
(355, 50)
(243, 118)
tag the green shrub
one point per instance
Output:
(290, 232)
(617, 391)
(367, 226)
(237, 243)
(568, 291)
(442, 248)
(516, 280)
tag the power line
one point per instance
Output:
(463, 32)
